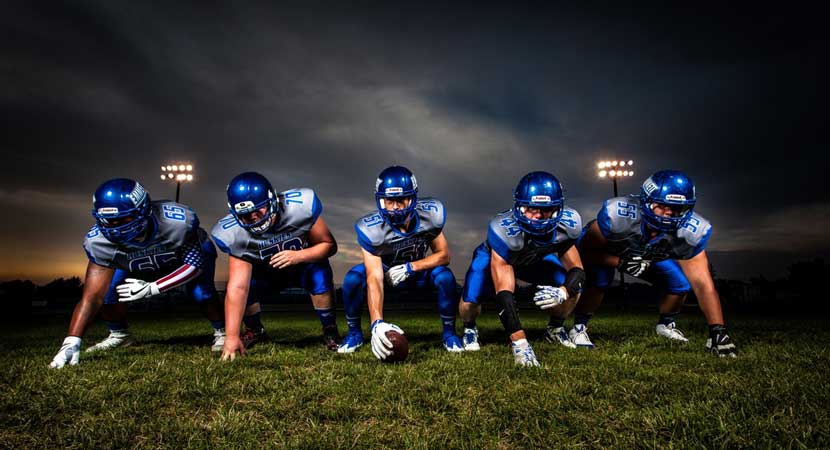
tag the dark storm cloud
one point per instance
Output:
(468, 98)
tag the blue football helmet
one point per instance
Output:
(121, 208)
(672, 189)
(538, 190)
(247, 193)
(396, 182)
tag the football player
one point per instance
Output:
(274, 241)
(139, 248)
(394, 241)
(533, 242)
(656, 237)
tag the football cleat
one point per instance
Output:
(670, 331)
(218, 340)
(120, 338)
(719, 343)
(523, 354)
(251, 337)
(331, 338)
(471, 340)
(558, 335)
(579, 336)
(452, 343)
(353, 340)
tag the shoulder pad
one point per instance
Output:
(224, 233)
(431, 212)
(571, 222)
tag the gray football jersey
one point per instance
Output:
(298, 210)
(520, 249)
(175, 229)
(621, 223)
(379, 238)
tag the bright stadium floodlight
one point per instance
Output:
(179, 172)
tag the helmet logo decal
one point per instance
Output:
(414, 182)
(676, 197)
(393, 191)
(110, 210)
(649, 186)
(137, 195)
(244, 207)
(540, 198)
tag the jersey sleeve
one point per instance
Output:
(432, 210)
(99, 250)
(504, 236)
(604, 220)
(696, 233)
(224, 235)
(369, 236)
(571, 223)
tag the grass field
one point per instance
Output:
(634, 390)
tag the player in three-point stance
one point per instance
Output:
(394, 241)
(139, 248)
(534, 242)
(274, 241)
(656, 237)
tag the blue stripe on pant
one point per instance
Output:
(666, 275)
(478, 284)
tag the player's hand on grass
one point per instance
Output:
(285, 259)
(70, 353)
(233, 345)
(381, 345)
(134, 289)
(549, 296)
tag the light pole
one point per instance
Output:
(616, 169)
(178, 172)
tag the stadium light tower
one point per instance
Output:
(616, 169)
(178, 172)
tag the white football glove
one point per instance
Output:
(135, 289)
(549, 296)
(635, 266)
(70, 352)
(397, 274)
(381, 345)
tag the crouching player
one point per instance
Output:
(137, 249)
(395, 240)
(656, 237)
(533, 242)
(274, 241)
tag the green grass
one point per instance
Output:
(634, 390)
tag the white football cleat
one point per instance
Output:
(558, 335)
(218, 340)
(120, 338)
(471, 340)
(523, 354)
(579, 336)
(670, 331)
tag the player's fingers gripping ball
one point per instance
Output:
(388, 342)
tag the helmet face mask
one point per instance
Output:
(121, 208)
(668, 200)
(542, 191)
(396, 184)
(252, 202)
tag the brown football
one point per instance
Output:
(400, 347)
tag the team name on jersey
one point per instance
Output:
(147, 251)
(273, 240)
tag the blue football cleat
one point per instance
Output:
(351, 342)
(452, 343)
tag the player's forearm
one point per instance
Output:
(432, 261)
(234, 309)
(178, 277)
(374, 297)
(83, 314)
